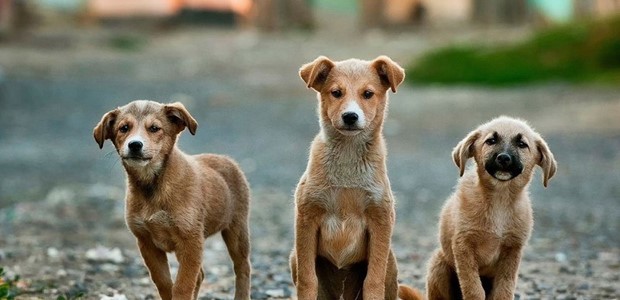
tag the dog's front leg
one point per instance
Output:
(506, 276)
(189, 255)
(157, 263)
(306, 236)
(380, 223)
(467, 269)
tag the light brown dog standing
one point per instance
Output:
(174, 201)
(487, 222)
(344, 211)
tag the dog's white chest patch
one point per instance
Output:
(342, 236)
(500, 221)
(343, 240)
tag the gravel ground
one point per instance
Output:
(61, 208)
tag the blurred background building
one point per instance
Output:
(283, 14)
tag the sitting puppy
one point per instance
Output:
(174, 201)
(486, 223)
(344, 208)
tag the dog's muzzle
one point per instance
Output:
(135, 152)
(504, 166)
(350, 124)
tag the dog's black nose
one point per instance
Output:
(135, 146)
(503, 159)
(349, 118)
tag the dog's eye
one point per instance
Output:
(154, 128)
(491, 141)
(368, 94)
(124, 128)
(337, 93)
(521, 144)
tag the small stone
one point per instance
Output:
(114, 297)
(145, 281)
(110, 268)
(53, 252)
(276, 293)
(102, 254)
(278, 278)
(561, 257)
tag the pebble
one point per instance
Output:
(103, 254)
(53, 253)
(276, 293)
(561, 257)
(115, 297)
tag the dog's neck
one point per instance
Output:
(352, 161)
(493, 191)
(148, 179)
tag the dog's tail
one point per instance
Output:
(409, 293)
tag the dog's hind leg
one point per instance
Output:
(441, 279)
(201, 277)
(237, 239)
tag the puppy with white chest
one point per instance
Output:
(344, 208)
(174, 201)
(487, 222)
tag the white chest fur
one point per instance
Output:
(343, 231)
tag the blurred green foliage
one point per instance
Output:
(8, 290)
(127, 42)
(587, 51)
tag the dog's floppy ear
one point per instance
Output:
(390, 73)
(547, 161)
(103, 130)
(315, 73)
(464, 150)
(178, 114)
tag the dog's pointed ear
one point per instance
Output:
(390, 73)
(178, 114)
(464, 150)
(104, 129)
(546, 162)
(315, 73)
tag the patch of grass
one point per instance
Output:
(588, 51)
(126, 42)
(8, 289)
(11, 288)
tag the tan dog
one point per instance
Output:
(174, 201)
(344, 205)
(486, 223)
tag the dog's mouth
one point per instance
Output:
(503, 174)
(349, 130)
(137, 158)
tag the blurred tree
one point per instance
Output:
(372, 13)
(6, 17)
(280, 14)
(500, 11)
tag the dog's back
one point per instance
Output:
(226, 190)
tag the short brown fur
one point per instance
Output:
(344, 212)
(487, 222)
(174, 201)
